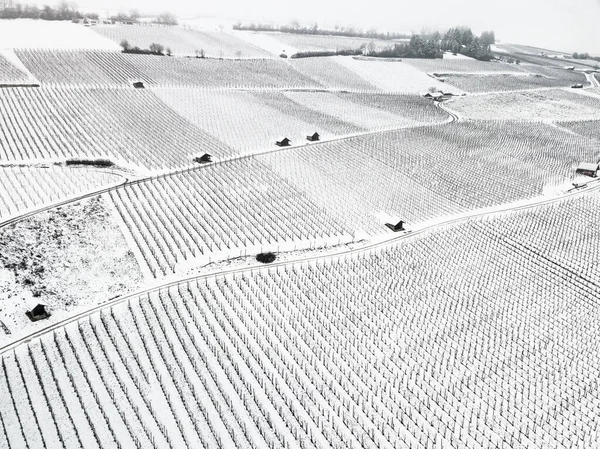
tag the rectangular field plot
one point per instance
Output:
(235, 206)
(573, 243)
(538, 78)
(331, 73)
(460, 338)
(410, 107)
(360, 191)
(589, 128)
(392, 76)
(364, 115)
(10, 74)
(22, 188)
(182, 41)
(126, 125)
(422, 173)
(100, 68)
(81, 68)
(442, 66)
(244, 121)
(303, 43)
(553, 104)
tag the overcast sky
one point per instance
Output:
(564, 25)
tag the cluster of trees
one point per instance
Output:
(295, 28)
(166, 18)
(65, 10)
(133, 16)
(456, 40)
(462, 40)
(154, 49)
(417, 47)
(585, 56)
(10, 9)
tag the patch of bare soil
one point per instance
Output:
(70, 258)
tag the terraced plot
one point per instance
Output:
(326, 43)
(589, 128)
(423, 173)
(507, 82)
(182, 41)
(392, 76)
(126, 125)
(227, 208)
(555, 104)
(331, 73)
(22, 188)
(10, 74)
(462, 337)
(97, 68)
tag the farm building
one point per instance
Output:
(396, 227)
(38, 312)
(314, 137)
(285, 142)
(435, 96)
(587, 169)
(138, 85)
(203, 159)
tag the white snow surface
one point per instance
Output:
(60, 35)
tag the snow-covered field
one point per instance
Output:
(182, 41)
(552, 104)
(463, 337)
(394, 76)
(29, 33)
(71, 259)
(476, 327)
(24, 188)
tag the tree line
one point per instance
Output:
(460, 40)
(10, 9)
(63, 11)
(295, 28)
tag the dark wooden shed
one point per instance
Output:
(37, 313)
(203, 159)
(285, 142)
(313, 138)
(396, 227)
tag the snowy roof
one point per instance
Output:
(587, 166)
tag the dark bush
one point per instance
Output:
(314, 54)
(266, 257)
(94, 162)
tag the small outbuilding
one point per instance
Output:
(396, 227)
(435, 96)
(285, 142)
(38, 312)
(587, 169)
(313, 138)
(138, 85)
(203, 159)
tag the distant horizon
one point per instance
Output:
(558, 25)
